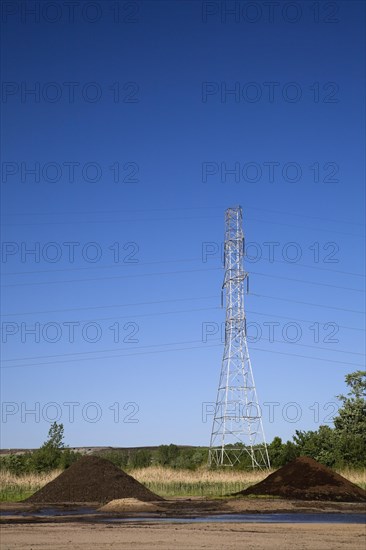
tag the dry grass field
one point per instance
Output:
(163, 481)
(203, 482)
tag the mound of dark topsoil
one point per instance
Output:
(306, 479)
(92, 479)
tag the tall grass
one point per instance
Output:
(358, 477)
(163, 481)
(14, 488)
(203, 482)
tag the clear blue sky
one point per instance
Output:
(150, 94)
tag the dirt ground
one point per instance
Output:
(28, 526)
(75, 536)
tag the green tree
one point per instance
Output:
(56, 436)
(67, 458)
(167, 455)
(276, 451)
(199, 457)
(48, 457)
(350, 423)
(322, 445)
(345, 444)
(119, 458)
(140, 459)
(351, 417)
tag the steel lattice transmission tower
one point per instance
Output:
(237, 425)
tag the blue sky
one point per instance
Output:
(140, 133)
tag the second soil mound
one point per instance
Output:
(306, 479)
(92, 479)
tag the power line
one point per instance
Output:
(173, 344)
(189, 299)
(297, 215)
(309, 357)
(103, 351)
(307, 303)
(133, 316)
(123, 211)
(306, 228)
(306, 282)
(312, 347)
(78, 222)
(129, 265)
(93, 358)
(113, 277)
(177, 349)
(315, 267)
(174, 273)
(110, 306)
(302, 320)
(198, 218)
(152, 314)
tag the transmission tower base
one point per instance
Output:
(219, 457)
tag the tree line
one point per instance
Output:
(341, 446)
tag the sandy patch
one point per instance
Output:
(180, 537)
(129, 505)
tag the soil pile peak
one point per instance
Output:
(307, 479)
(92, 479)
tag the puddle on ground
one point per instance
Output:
(217, 518)
(250, 518)
(52, 512)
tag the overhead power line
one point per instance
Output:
(306, 281)
(37, 283)
(175, 219)
(173, 350)
(130, 265)
(133, 316)
(312, 304)
(130, 211)
(111, 306)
